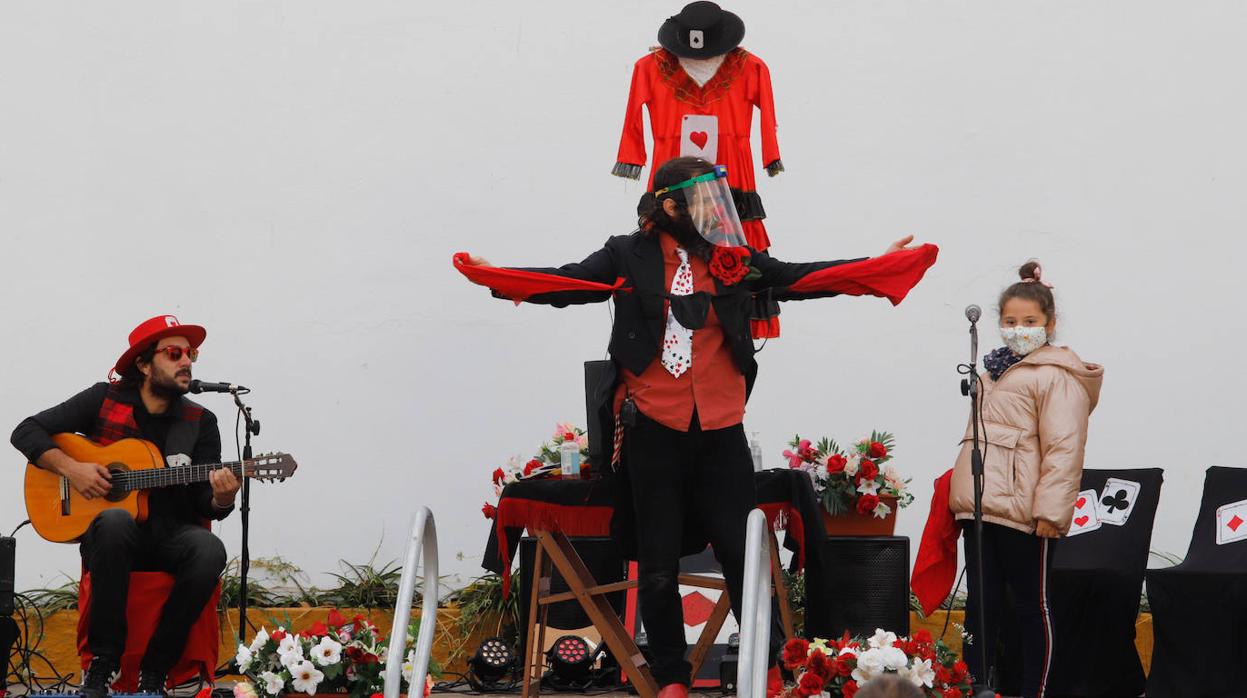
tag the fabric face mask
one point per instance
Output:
(1024, 340)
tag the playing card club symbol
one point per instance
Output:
(699, 138)
(1117, 501)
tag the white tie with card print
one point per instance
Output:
(677, 341)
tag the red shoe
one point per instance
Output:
(674, 690)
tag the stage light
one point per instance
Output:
(491, 663)
(571, 661)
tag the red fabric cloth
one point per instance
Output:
(890, 276)
(789, 519)
(535, 515)
(519, 285)
(935, 569)
(147, 596)
(714, 386)
(742, 83)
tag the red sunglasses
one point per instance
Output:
(175, 352)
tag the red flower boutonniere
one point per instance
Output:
(731, 265)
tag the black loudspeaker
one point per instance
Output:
(862, 584)
(8, 565)
(600, 554)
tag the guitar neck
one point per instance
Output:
(180, 475)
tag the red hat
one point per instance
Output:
(154, 330)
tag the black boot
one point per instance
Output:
(152, 682)
(98, 678)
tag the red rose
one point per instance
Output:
(811, 684)
(960, 671)
(943, 675)
(821, 666)
(353, 653)
(878, 450)
(489, 510)
(843, 667)
(866, 504)
(278, 635)
(335, 619)
(850, 689)
(867, 471)
(531, 465)
(795, 653)
(836, 463)
(498, 476)
(774, 685)
(729, 264)
(923, 636)
(318, 628)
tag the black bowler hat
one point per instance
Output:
(701, 30)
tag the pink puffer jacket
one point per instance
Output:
(1035, 429)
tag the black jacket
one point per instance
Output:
(640, 319)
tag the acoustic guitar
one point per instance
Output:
(61, 515)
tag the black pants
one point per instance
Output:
(706, 476)
(113, 547)
(1022, 562)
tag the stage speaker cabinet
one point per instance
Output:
(601, 555)
(8, 567)
(865, 585)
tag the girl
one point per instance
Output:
(1035, 398)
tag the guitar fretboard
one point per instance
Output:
(187, 474)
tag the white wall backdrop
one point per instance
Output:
(296, 176)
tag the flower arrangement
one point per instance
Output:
(337, 656)
(544, 465)
(838, 668)
(854, 480)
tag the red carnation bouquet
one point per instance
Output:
(838, 668)
(852, 480)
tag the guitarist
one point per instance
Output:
(148, 403)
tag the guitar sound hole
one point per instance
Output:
(118, 492)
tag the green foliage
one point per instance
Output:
(482, 600)
(52, 599)
(364, 585)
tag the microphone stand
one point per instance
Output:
(970, 388)
(244, 511)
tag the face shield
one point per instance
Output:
(711, 209)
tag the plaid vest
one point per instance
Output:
(116, 421)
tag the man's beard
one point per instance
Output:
(686, 235)
(166, 386)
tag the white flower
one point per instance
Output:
(882, 510)
(869, 665)
(290, 650)
(894, 658)
(409, 665)
(920, 674)
(244, 689)
(243, 659)
(273, 683)
(304, 677)
(882, 638)
(868, 487)
(258, 641)
(327, 652)
(893, 479)
(852, 464)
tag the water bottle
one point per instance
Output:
(755, 451)
(569, 456)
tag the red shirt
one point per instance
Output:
(713, 384)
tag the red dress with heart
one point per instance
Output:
(741, 84)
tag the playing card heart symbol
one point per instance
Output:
(1117, 501)
(699, 138)
(1082, 502)
(1082, 520)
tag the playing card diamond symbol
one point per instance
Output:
(697, 608)
(1232, 522)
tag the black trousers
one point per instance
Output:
(113, 547)
(1022, 562)
(706, 476)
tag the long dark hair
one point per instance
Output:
(652, 219)
(132, 377)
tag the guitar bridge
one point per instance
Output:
(64, 496)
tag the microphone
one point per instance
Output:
(973, 313)
(198, 386)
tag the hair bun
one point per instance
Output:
(1027, 271)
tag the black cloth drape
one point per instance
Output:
(1199, 607)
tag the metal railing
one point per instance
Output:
(755, 620)
(423, 539)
